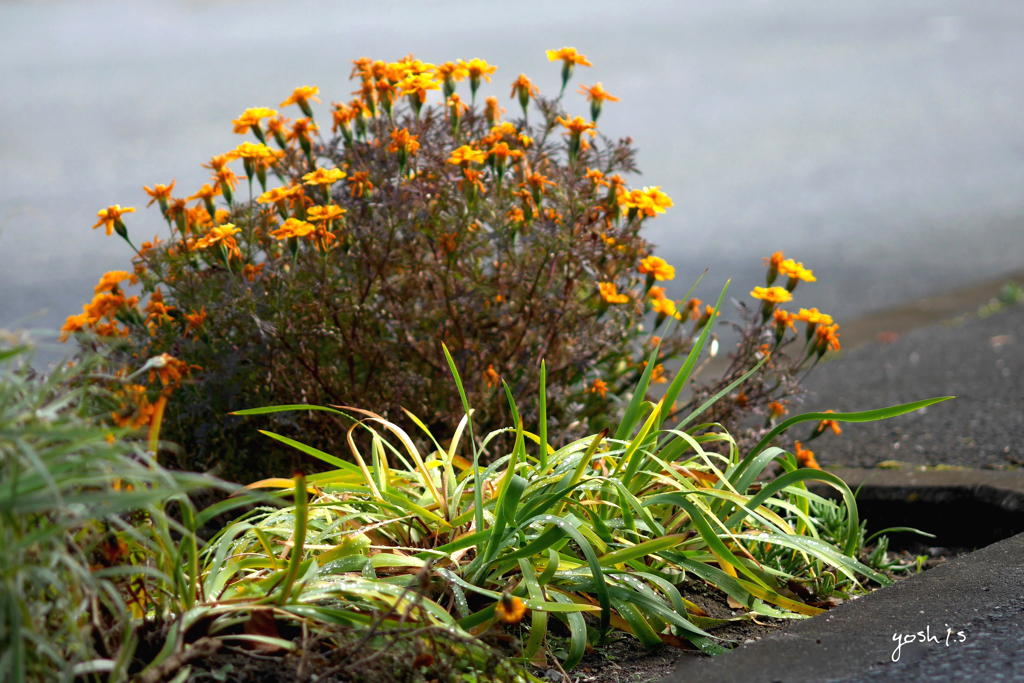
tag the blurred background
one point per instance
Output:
(879, 143)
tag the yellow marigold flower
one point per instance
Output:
(359, 184)
(493, 110)
(322, 176)
(160, 193)
(465, 155)
(227, 180)
(805, 457)
(403, 142)
(109, 281)
(417, 85)
(456, 72)
(599, 387)
(596, 95)
(776, 410)
(510, 609)
(795, 272)
(813, 317)
(251, 118)
(656, 267)
(610, 295)
(665, 307)
(773, 295)
(659, 200)
(773, 262)
(325, 213)
(222, 235)
(256, 152)
(293, 227)
(301, 96)
(111, 218)
(275, 195)
(569, 56)
(477, 69)
(220, 161)
(578, 126)
(491, 377)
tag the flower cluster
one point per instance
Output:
(335, 272)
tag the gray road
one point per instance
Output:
(878, 142)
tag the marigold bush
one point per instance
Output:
(333, 271)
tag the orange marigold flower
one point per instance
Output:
(226, 176)
(206, 192)
(293, 227)
(169, 369)
(195, 320)
(510, 609)
(456, 106)
(250, 271)
(402, 141)
(325, 213)
(515, 215)
(109, 281)
(569, 56)
(492, 110)
(828, 338)
(301, 130)
(693, 308)
(578, 126)
(536, 182)
(220, 161)
(599, 387)
(597, 93)
(774, 295)
(655, 293)
(322, 176)
(805, 457)
(301, 96)
(524, 88)
(491, 376)
(776, 410)
(467, 155)
(828, 424)
(610, 294)
(597, 177)
(277, 194)
(74, 323)
(471, 181)
(251, 118)
(658, 374)
(277, 125)
(502, 151)
(160, 192)
(652, 265)
(773, 262)
(359, 184)
(783, 320)
(136, 411)
(456, 72)
(222, 235)
(111, 217)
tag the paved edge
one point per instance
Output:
(858, 635)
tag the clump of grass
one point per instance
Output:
(71, 491)
(607, 525)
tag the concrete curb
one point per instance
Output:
(856, 639)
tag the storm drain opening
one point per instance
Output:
(961, 517)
